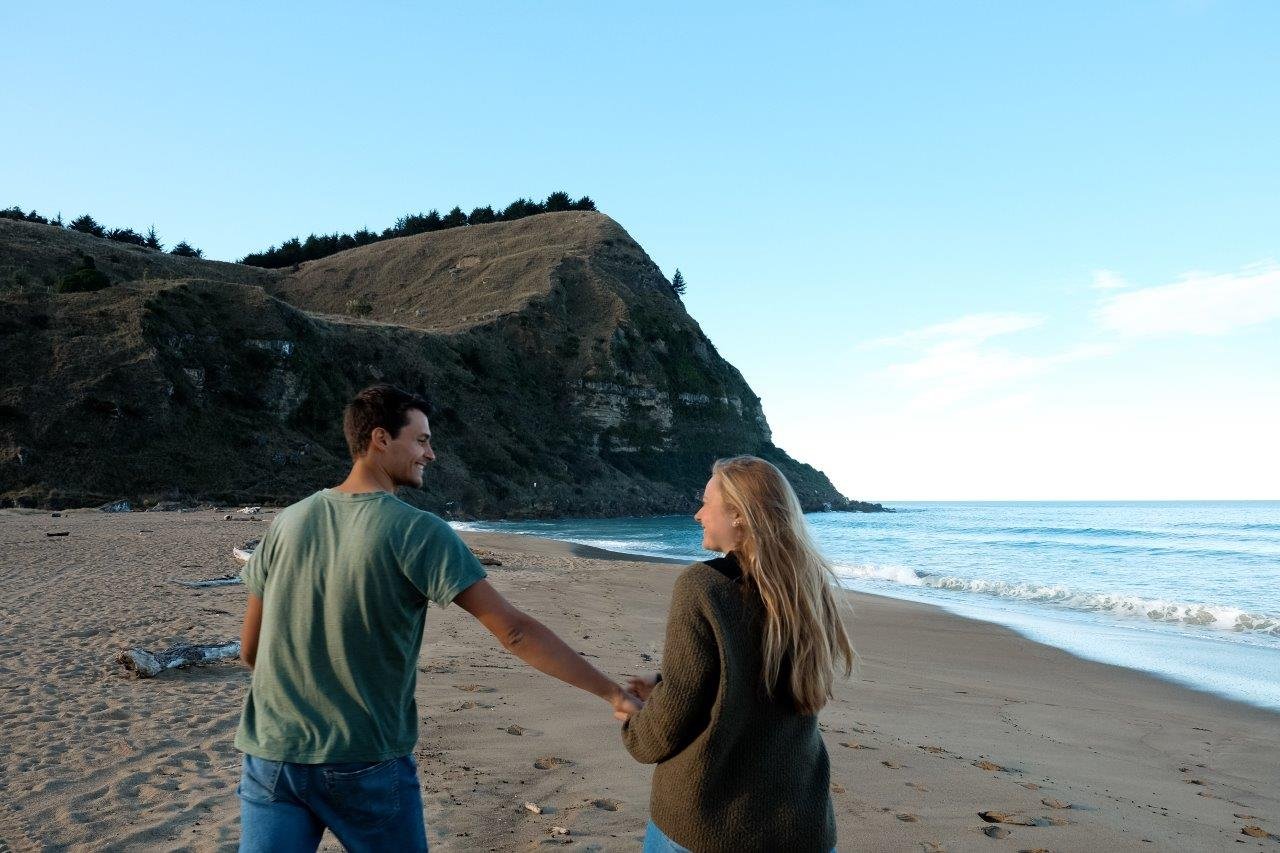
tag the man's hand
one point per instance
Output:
(642, 685)
(625, 704)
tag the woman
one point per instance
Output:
(753, 642)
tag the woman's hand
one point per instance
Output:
(642, 685)
(624, 705)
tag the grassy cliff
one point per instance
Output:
(569, 380)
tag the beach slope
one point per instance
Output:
(946, 718)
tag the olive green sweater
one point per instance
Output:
(736, 770)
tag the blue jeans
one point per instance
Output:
(656, 841)
(369, 805)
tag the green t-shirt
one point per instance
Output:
(344, 581)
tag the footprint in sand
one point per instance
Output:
(935, 750)
(1017, 820)
(550, 762)
(996, 832)
(1055, 803)
(991, 766)
(515, 730)
(892, 765)
(474, 688)
(853, 744)
(607, 804)
(907, 817)
(469, 705)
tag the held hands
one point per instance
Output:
(624, 705)
(642, 685)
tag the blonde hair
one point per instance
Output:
(803, 624)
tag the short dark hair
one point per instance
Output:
(383, 406)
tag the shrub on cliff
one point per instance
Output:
(359, 306)
(85, 278)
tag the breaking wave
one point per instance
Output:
(1215, 616)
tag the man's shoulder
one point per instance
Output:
(416, 516)
(295, 511)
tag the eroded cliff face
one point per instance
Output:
(568, 378)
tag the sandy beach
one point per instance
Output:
(945, 719)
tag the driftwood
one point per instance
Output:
(228, 580)
(147, 665)
(245, 551)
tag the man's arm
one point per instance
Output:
(249, 631)
(538, 646)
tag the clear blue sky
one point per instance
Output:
(1019, 250)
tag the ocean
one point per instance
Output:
(1183, 590)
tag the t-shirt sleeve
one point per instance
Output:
(254, 573)
(441, 565)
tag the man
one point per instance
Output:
(338, 593)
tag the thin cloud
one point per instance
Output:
(971, 329)
(957, 360)
(1199, 304)
(1107, 280)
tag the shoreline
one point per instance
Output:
(929, 610)
(945, 718)
(1207, 660)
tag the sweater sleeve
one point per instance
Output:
(679, 708)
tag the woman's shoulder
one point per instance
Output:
(709, 574)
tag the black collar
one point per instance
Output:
(727, 566)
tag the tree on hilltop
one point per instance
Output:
(482, 216)
(88, 225)
(414, 223)
(584, 203)
(521, 208)
(557, 202)
(153, 240)
(126, 235)
(677, 283)
(454, 219)
(186, 250)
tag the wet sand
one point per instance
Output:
(946, 718)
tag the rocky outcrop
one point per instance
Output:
(569, 379)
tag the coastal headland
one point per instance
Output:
(568, 378)
(952, 735)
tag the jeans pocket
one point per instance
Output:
(367, 795)
(258, 779)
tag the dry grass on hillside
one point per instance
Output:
(450, 280)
